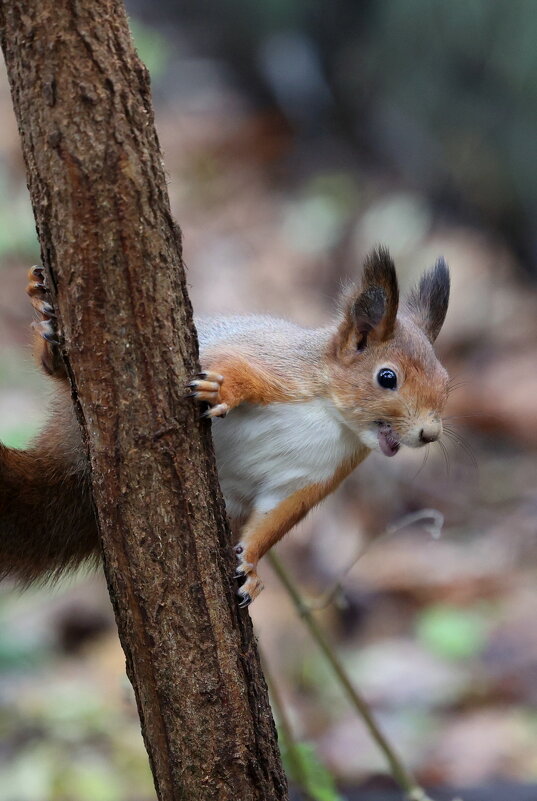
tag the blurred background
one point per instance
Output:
(296, 136)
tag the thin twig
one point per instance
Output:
(402, 776)
(435, 526)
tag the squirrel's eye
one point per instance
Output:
(387, 378)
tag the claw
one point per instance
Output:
(210, 414)
(240, 576)
(51, 338)
(247, 600)
(48, 309)
(220, 410)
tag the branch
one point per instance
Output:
(404, 779)
(433, 523)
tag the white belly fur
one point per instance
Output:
(266, 453)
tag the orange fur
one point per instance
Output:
(265, 529)
(248, 381)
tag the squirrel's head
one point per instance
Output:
(386, 381)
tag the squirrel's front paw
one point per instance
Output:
(206, 388)
(250, 585)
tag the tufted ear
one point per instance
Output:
(427, 304)
(371, 311)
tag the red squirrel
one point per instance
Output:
(294, 411)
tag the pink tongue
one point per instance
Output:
(388, 444)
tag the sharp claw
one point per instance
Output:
(219, 410)
(190, 395)
(210, 413)
(48, 310)
(202, 375)
(240, 578)
(245, 602)
(50, 338)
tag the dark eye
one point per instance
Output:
(387, 378)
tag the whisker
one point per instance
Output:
(445, 455)
(463, 416)
(452, 430)
(471, 458)
(452, 389)
(458, 381)
(458, 440)
(423, 463)
(482, 415)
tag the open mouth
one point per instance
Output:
(388, 442)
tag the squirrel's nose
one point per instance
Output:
(430, 433)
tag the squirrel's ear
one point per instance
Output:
(371, 311)
(427, 304)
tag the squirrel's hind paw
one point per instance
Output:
(47, 330)
(45, 327)
(250, 585)
(249, 590)
(38, 293)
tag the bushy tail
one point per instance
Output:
(46, 517)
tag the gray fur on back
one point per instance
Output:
(263, 336)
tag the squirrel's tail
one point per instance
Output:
(46, 517)
(47, 521)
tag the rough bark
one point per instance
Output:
(113, 255)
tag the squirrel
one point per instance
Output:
(294, 411)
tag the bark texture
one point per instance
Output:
(113, 255)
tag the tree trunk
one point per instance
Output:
(113, 256)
